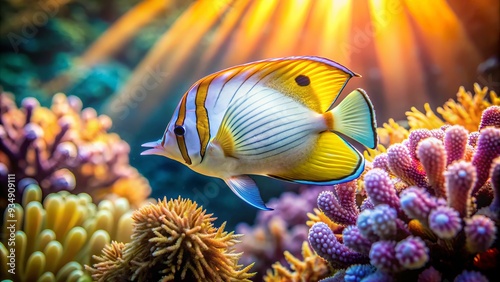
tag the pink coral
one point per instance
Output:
(455, 142)
(417, 203)
(445, 222)
(403, 166)
(480, 233)
(460, 178)
(412, 253)
(380, 189)
(327, 246)
(490, 117)
(341, 205)
(432, 155)
(383, 256)
(488, 148)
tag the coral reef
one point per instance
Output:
(278, 231)
(430, 206)
(310, 268)
(172, 240)
(55, 237)
(466, 112)
(66, 148)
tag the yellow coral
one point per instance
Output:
(60, 235)
(311, 268)
(173, 240)
(319, 216)
(391, 132)
(466, 112)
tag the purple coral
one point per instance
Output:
(381, 161)
(414, 139)
(460, 178)
(479, 233)
(354, 240)
(403, 166)
(357, 272)
(490, 117)
(364, 223)
(488, 148)
(495, 182)
(455, 142)
(328, 247)
(340, 206)
(445, 222)
(430, 275)
(379, 187)
(383, 256)
(470, 276)
(417, 203)
(432, 155)
(383, 221)
(412, 253)
(473, 137)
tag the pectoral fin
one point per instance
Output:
(246, 189)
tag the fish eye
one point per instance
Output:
(179, 130)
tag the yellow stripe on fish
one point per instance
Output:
(273, 118)
(181, 141)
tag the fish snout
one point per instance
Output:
(156, 148)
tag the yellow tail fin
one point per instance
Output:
(355, 118)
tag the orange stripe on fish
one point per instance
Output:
(202, 121)
(181, 142)
(328, 116)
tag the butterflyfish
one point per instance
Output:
(274, 118)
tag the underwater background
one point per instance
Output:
(123, 66)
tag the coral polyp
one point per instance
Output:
(429, 207)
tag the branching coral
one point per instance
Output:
(431, 200)
(466, 112)
(66, 148)
(53, 239)
(172, 240)
(310, 268)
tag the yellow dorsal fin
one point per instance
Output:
(313, 81)
(331, 161)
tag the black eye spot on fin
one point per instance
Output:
(302, 80)
(179, 130)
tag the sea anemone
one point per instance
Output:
(429, 203)
(65, 148)
(172, 240)
(52, 239)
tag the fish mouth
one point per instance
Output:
(156, 148)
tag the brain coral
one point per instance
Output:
(172, 240)
(65, 148)
(55, 237)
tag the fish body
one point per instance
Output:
(272, 118)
